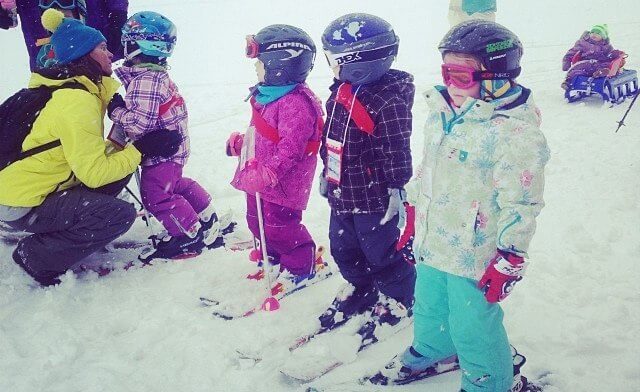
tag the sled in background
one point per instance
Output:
(614, 89)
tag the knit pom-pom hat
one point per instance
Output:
(71, 39)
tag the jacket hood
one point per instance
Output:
(105, 91)
(518, 105)
(127, 74)
(302, 88)
(394, 81)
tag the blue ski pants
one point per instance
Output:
(366, 254)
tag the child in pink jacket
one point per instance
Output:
(278, 151)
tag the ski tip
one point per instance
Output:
(208, 301)
(270, 304)
(223, 316)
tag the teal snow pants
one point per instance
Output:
(452, 316)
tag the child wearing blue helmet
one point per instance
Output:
(367, 161)
(153, 102)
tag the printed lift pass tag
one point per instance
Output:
(334, 160)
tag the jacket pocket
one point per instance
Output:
(469, 224)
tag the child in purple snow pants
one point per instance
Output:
(153, 102)
(289, 242)
(278, 151)
(172, 198)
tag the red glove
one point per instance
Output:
(256, 177)
(234, 144)
(503, 272)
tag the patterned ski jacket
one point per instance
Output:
(479, 187)
(153, 103)
(295, 116)
(371, 163)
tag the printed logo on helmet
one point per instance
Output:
(348, 58)
(285, 45)
(133, 24)
(502, 45)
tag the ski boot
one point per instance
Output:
(350, 301)
(411, 366)
(388, 317)
(214, 228)
(520, 382)
(287, 283)
(179, 247)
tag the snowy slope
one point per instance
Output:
(575, 316)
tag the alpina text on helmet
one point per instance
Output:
(285, 45)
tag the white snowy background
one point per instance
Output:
(576, 315)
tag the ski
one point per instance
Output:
(302, 340)
(395, 373)
(366, 383)
(445, 366)
(308, 371)
(278, 291)
(146, 253)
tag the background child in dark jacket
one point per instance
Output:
(107, 16)
(592, 55)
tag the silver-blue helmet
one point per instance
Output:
(363, 46)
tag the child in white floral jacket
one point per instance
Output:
(478, 192)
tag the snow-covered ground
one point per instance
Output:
(576, 315)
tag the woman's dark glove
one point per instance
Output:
(116, 102)
(162, 143)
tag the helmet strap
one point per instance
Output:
(129, 56)
(494, 89)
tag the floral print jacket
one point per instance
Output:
(479, 187)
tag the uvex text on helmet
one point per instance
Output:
(498, 48)
(287, 52)
(362, 45)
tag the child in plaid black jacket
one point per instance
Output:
(367, 161)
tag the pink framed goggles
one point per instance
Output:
(460, 76)
(252, 48)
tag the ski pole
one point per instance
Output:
(621, 122)
(270, 303)
(152, 237)
(130, 192)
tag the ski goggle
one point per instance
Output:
(63, 4)
(467, 77)
(459, 75)
(253, 48)
(169, 39)
(360, 56)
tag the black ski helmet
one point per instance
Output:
(287, 53)
(498, 48)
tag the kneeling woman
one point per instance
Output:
(65, 195)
